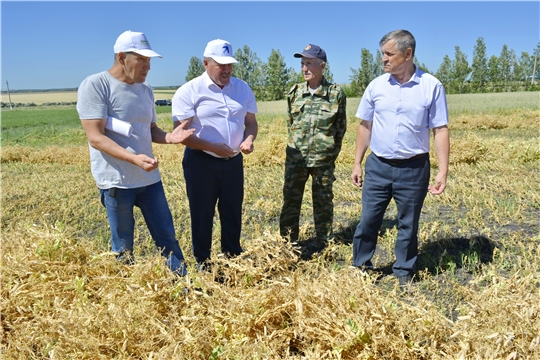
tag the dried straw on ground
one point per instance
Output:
(62, 299)
(477, 294)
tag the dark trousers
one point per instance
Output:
(322, 194)
(211, 180)
(407, 184)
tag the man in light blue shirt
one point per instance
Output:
(398, 110)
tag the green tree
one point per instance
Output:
(536, 60)
(420, 65)
(196, 68)
(327, 73)
(444, 73)
(276, 77)
(361, 77)
(479, 68)
(379, 67)
(493, 73)
(507, 60)
(460, 70)
(522, 71)
(250, 69)
(294, 77)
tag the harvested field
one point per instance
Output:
(476, 295)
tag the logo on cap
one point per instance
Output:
(226, 49)
(307, 47)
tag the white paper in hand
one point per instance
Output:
(119, 126)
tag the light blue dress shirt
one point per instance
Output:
(403, 114)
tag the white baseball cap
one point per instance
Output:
(131, 41)
(221, 51)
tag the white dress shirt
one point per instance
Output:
(218, 114)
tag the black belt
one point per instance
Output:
(402, 161)
(207, 154)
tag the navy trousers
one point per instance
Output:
(407, 183)
(210, 180)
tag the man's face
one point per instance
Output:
(311, 70)
(219, 73)
(393, 60)
(136, 67)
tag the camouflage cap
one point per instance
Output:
(313, 52)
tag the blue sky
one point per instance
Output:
(53, 45)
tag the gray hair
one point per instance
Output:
(127, 53)
(317, 60)
(320, 62)
(404, 40)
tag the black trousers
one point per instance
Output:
(211, 181)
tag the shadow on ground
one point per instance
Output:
(457, 253)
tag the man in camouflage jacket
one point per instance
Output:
(316, 126)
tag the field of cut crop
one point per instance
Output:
(39, 98)
(476, 294)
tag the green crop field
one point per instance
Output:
(476, 294)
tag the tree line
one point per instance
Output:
(271, 80)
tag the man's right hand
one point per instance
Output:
(223, 150)
(356, 176)
(145, 162)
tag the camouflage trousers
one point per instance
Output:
(293, 191)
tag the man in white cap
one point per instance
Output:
(124, 167)
(222, 111)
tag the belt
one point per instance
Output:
(208, 155)
(402, 161)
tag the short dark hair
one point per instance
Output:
(404, 40)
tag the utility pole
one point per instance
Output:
(9, 95)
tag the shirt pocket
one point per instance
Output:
(296, 116)
(326, 118)
(419, 115)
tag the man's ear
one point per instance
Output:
(409, 53)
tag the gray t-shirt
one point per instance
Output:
(101, 95)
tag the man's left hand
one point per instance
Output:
(179, 134)
(439, 186)
(247, 147)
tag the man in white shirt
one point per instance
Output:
(222, 111)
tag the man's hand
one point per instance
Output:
(356, 176)
(247, 147)
(145, 162)
(179, 134)
(223, 150)
(439, 186)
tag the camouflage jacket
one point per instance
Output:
(316, 124)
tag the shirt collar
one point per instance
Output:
(414, 78)
(208, 82)
(322, 90)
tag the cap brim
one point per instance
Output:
(299, 55)
(224, 60)
(147, 53)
